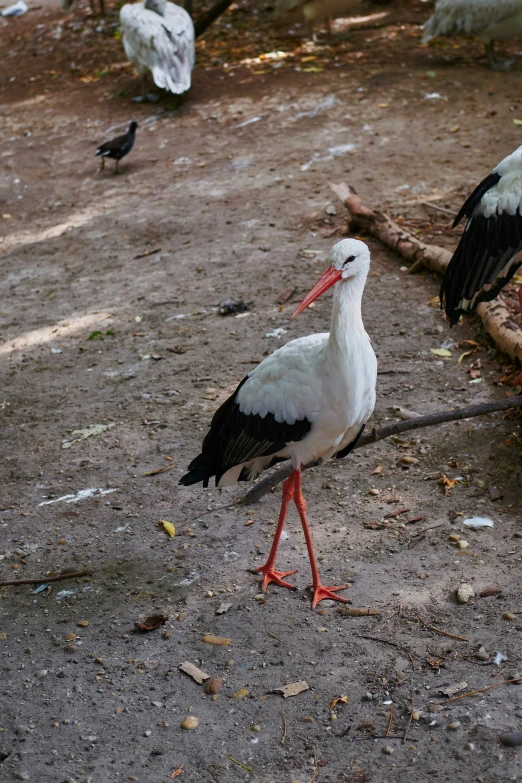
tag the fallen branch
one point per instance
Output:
(212, 14)
(495, 316)
(480, 690)
(41, 579)
(275, 478)
(438, 630)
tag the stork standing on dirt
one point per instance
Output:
(158, 36)
(487, 19)
(308, 400)
(487, 257)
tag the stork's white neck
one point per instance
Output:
(347, 320)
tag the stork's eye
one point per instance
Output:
(350, 258)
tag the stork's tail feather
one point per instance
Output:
(198, 471)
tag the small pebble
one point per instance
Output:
(387, 750)
(435, 708)
(517, 676)
(482, 654)
(189, 723)
(513, 739)
(147, 733)
(83, 624)
(70, 637)
(454, 726)
(462, 544)
(367, 696)
(374, 491)
(509, 616)
(465, 592)
(469, 746)
(41, 673)
(255, 727)
(417, 715)
(454, 537)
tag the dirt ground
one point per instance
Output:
(110, 286)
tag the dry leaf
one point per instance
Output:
(177, 772)
(213, 685)
(463, 356)
(451, 690)
(217, 641)
(286, 295)
(377, 470)
(193, 671)
(168, 527)
(222, 608)
(152, 622)
(446, 482)
(240, 694)
(516, 121)
(339, 700)
(441, 352)
(490, 591)
(292, 689)
(156, 471)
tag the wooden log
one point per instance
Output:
(497, 320)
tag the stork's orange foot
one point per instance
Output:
(270, 575)
(321, 592)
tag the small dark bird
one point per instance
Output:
(119, 147)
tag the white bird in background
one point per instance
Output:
(313, 11)
(487, 255)
(308, 400)
(158, 36)
(489, 20)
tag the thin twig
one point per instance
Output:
(240, 763)
(275, 478)
(316, 768)
(283, 718)
(42, 579)
(442, 633)
(214, 775)
(439, 209)
(408, 725)
(397, 621)
(480, 690)
(390, 723)
(433, 527)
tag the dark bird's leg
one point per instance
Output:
(494, 63)
(102, 164)
(320, 591)
(269, 574)
(117, 169)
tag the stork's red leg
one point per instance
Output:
(269, 574)
(320, 591)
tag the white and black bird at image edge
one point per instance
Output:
(158, 37)
(489, 20)
(486, 257)
(119, 147)
(308, 400)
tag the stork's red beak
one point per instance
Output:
(330, 278)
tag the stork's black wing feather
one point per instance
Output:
(471, 202)
(236, 437)
(484, 260)
(350, 447)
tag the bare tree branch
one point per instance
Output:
(275, 478)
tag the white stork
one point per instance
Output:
(486, 257)
(308, 400)
(158, 36)
(487, 19)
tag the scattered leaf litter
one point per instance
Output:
(88, 432)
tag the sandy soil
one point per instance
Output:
(110, 286)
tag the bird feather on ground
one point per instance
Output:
(158, 37)
(489, 20)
